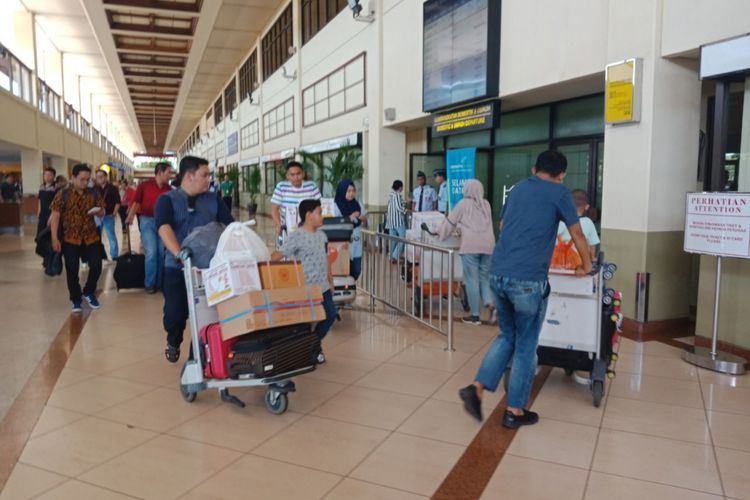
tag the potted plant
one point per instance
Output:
(252, 186)
(347, 164)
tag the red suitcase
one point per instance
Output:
(215, 351)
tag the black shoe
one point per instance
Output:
(472, 320)
(172, 353)
(472, 403)
(151, 290)
(512, 421)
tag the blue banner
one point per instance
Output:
(460, 166)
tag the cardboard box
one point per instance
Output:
(339, 267)
(229, 279)
(264, 309)
(275, 275)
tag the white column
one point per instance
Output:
(31, 170)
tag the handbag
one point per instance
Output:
(54, 265)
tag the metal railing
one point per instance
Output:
(422, 284)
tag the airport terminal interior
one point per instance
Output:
(190, 113)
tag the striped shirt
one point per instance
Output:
(286, 195)
(395, 216)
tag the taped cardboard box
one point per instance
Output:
(340, 266)
(230, 278)
(265, 309)
(275, 275)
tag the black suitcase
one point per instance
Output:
(338, 228)
(273, 352)
(130, 270)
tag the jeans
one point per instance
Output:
(331, 312)
(123, 215)
(175, 305)
(72, 255)
(398, 248)
(154, 249)
(477, 280)
(108, 223)
(355, 267)
(521, 306)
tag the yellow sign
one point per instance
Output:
(464, 120)
(621, 100)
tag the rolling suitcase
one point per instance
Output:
(214, 351)
(274, 351)
(338, 228)
(130, 270)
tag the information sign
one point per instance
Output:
(718, 224)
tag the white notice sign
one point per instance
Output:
(718, 224)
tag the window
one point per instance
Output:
(248, 76)
(71, 118)
(230, 95)
(15, 76)
(250, 135)
(279, 121)
(521, 127)
(95, 137)
(316, 14)
(218, 111)
(335, 94)
(270, 177)
(276, 43)
(50, 102)
(221, 149)
(209, 113)
(579, 117)
(86, 130)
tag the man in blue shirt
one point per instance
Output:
(518, 277)
(442, 197)
(424, 197)
(177, 213)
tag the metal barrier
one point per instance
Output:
(417, 285)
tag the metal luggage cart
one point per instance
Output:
(427, 273)
(578, 329)
(344, 287)
(192, 379)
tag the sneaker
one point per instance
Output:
(172, 353)
(151, 290)
(76, 306)
(493, 316)
(472, 320)
(91, 299)
(512, 421)
(321, 358)
(472, 403)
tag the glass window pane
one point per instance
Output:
(355, 96)
(289, 108)
(436, 145)
(523, 127)
(337, 104)
(579, 165)
(321, 111)
(288, 125)
(512, 164)
(470, 140)
(579, 117)
(16, 78)
(308, 96)
(321, 90)
(5, 71)
(336, 82)
(355, 71)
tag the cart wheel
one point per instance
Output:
(569, 372)
(187, 395)
(608, 275)
(614, 356)
(597, 392)
(464, 298)
(611, 374)
(280, 404)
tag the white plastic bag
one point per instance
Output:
(241, 242)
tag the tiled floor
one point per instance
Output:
(380, 420)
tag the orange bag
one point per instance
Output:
(565, 256)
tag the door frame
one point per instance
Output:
(591, 185)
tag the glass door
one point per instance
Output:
(585, 170)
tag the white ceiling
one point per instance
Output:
(66, 24)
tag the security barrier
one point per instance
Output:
(422, 284)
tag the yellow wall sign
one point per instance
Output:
(623, 100)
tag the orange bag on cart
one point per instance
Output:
(565, 255)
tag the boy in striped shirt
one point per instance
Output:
(288, 195)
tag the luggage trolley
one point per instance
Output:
(581, 322)
(339, 229)
(192, 379)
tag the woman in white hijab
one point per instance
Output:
(472, 219)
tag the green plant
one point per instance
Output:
(252, 184)
(234, 176)
(347, 164)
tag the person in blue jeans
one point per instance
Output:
(518, 277)
(111, 197)
(395, 218)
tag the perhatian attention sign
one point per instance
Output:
(718, 224)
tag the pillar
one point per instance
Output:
(60, 164)
(31, 170)
(649, 167)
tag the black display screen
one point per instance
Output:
(461, 55)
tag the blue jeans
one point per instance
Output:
(398, 248)
(331, 312)
(355, 267)
(521, 306)
(154, 249)
(477, 280)
(108, 223)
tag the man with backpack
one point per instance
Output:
(75, 207)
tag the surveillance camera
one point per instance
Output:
(355, 7)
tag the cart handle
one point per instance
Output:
(426, 228)
(185, 253)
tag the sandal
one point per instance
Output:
(172, 353)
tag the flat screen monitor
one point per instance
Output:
(461, 51)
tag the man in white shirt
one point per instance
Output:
(288, 195)
(442, 197)
(424, 196)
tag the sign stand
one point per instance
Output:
(712, 359)
(717, 224)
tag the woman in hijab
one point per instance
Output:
(472, 219)
(347, 206)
